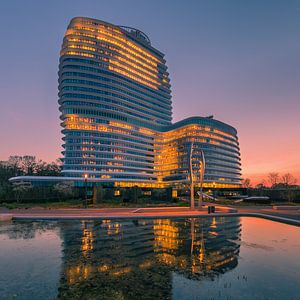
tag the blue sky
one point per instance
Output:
(238, 60)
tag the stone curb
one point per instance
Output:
(134, 216)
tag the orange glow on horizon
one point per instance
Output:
(258, 163)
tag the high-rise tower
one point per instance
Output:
(113, 86)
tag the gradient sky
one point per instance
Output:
(238, 60)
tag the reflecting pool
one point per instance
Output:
(193, 258)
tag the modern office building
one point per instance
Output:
(116, 112)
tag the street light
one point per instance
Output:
(85, 183)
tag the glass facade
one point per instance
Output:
(116, 112)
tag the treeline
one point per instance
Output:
(27, 166)
(273, 181)
(277, 187)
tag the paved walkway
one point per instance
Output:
(287, 216)
(103, 213)
(292, 214)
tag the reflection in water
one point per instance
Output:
(135, 259)
(30, 260)
(27, 230)
(205, 258)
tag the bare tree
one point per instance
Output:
(29, 164)
(273, 178)
(288, 179)
(246, 183)
(15, 160)
(23, 164)
(14, 163)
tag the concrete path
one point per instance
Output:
(92, 213)
(286, 216)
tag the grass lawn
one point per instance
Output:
(80, 203)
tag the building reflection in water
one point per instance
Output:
(135, 259)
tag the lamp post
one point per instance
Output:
(85, 185)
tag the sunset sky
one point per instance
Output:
(238, 60)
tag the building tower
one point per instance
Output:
(116, 112)
(113, 89)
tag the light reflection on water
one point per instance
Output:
(211, 258)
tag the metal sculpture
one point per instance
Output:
(192, 178)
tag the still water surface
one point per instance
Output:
(198, 258)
